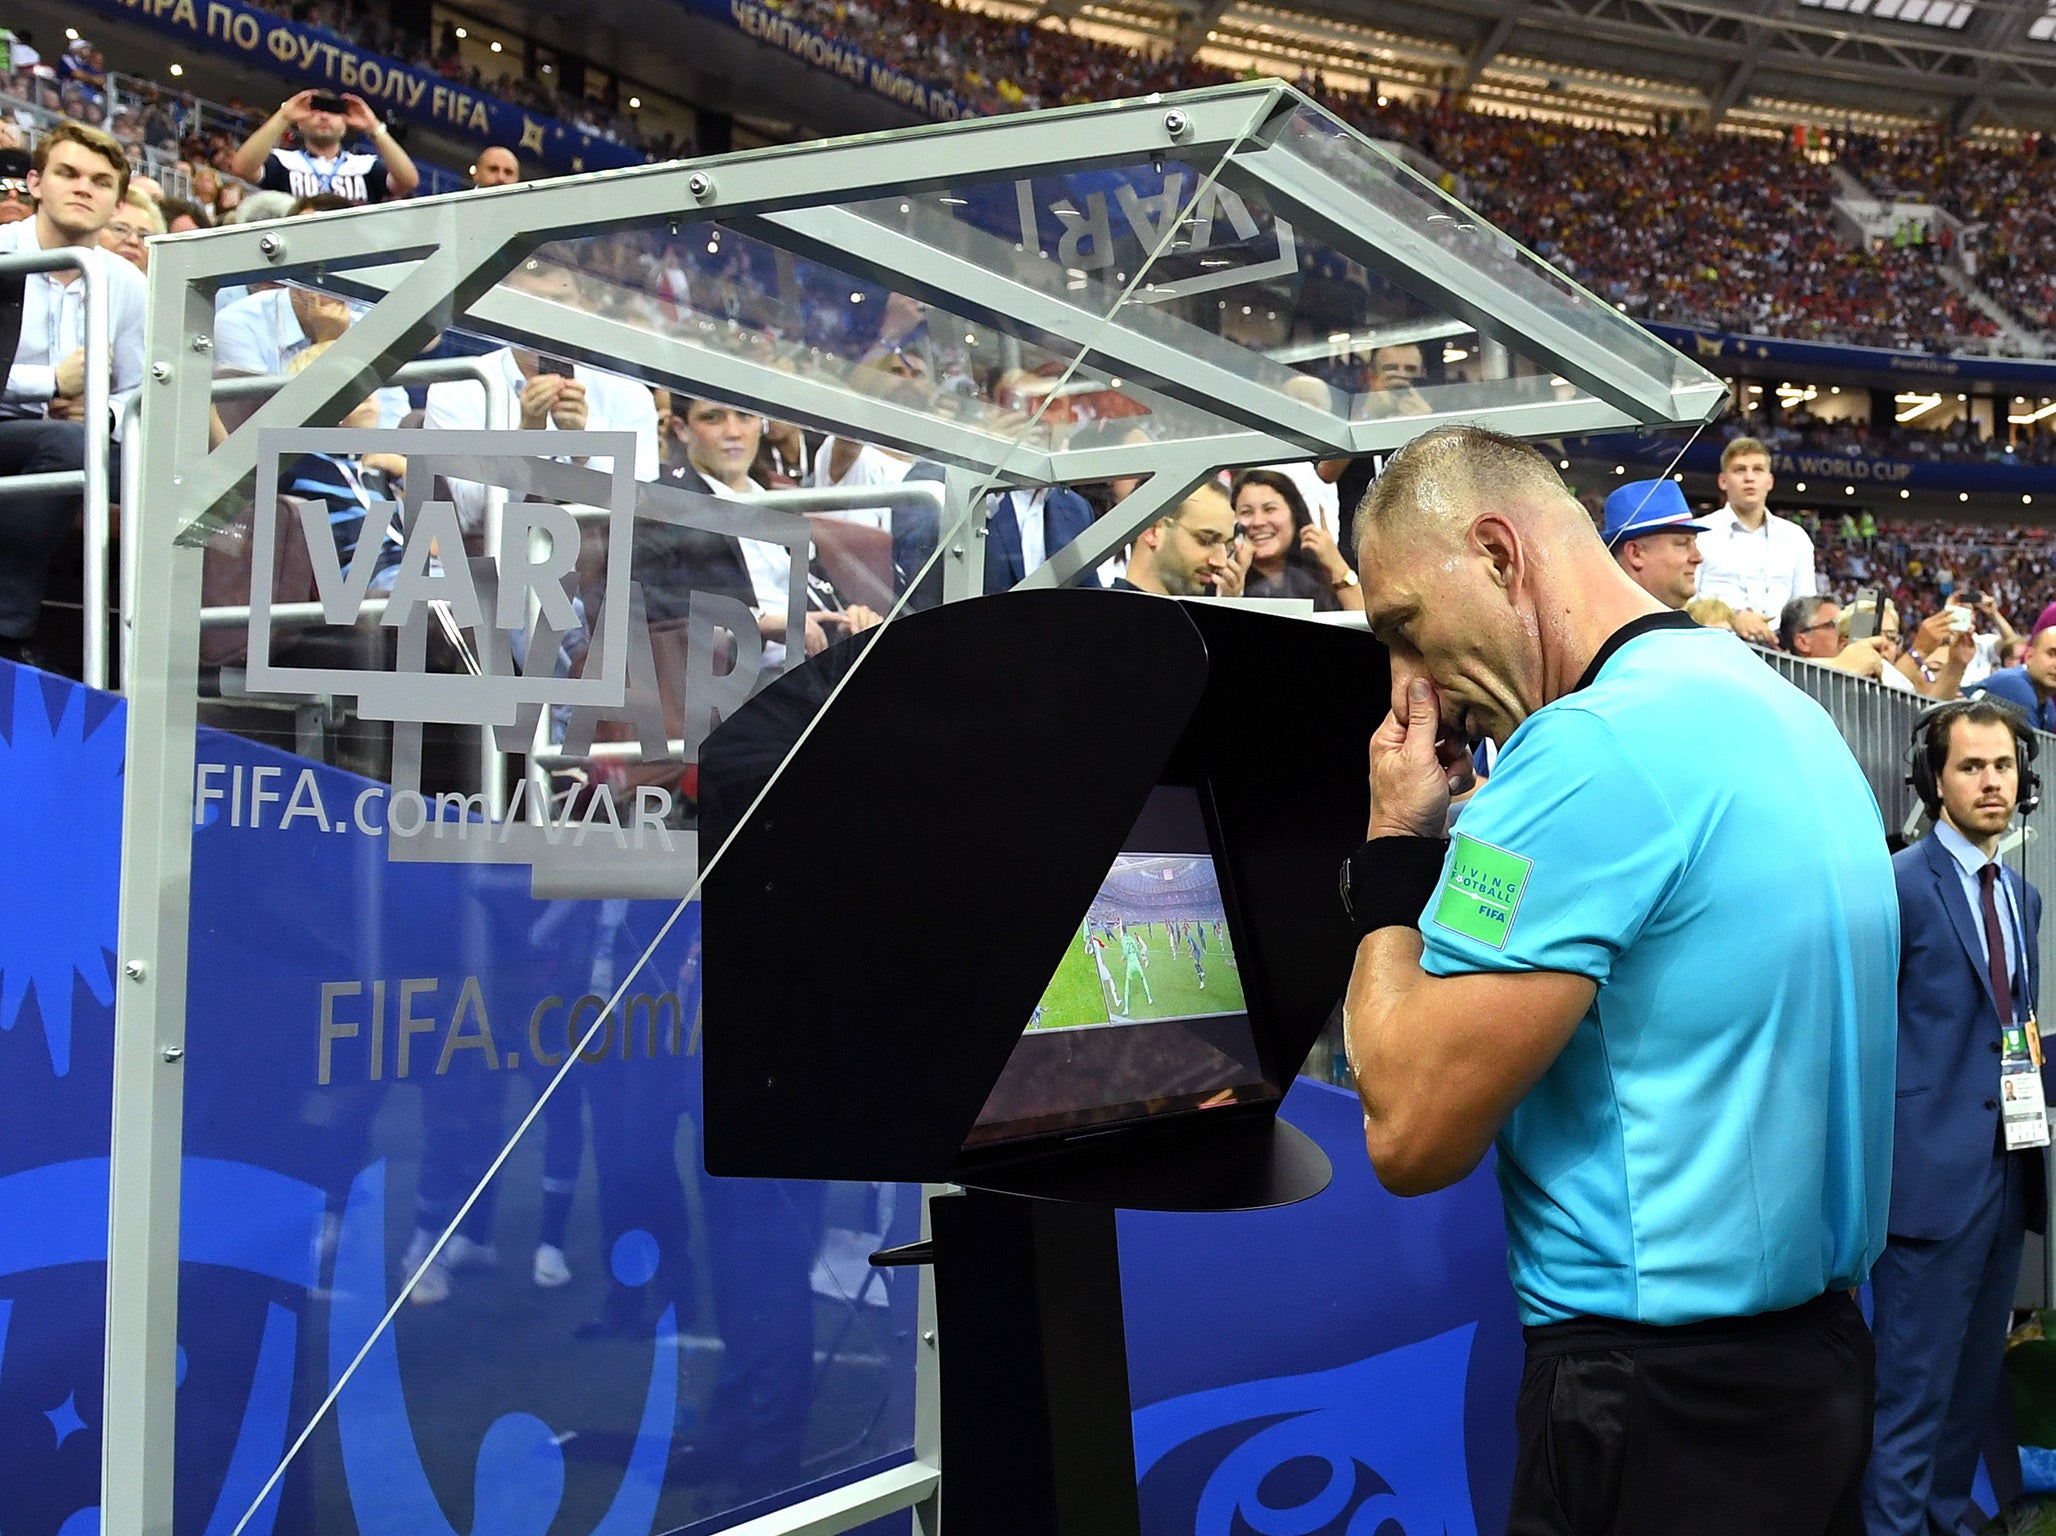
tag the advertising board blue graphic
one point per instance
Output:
(1346, 1366)
(313, 55)
(361, 1037)
(1729, 354)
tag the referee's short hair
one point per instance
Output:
(1441, 474)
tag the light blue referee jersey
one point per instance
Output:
(1688, 830)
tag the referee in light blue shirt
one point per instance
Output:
(1665, 989)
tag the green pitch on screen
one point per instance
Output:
(1075, 996)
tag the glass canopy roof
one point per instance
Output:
(1057, 296)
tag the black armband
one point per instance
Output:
(1387, 882)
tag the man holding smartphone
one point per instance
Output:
(319, 167)
(2031, 686)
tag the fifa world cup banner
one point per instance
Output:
(316, 56)
(1827, 470)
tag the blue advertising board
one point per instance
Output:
(846, 60)
(361, 1038)
(315, 56)
(1824, 471)
(1784, 357)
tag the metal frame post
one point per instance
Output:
(99, 430)
(148, 1140)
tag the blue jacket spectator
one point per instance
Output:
(2031, 686)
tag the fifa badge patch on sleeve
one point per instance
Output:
(1483, 891)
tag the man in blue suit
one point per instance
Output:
(1961, 1203)
(1026, 528)
(1023, 529)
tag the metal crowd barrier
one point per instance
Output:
(1877, 723)
(91, 481)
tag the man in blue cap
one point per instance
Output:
(1654, 538)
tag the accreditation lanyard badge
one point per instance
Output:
(2022, 1110)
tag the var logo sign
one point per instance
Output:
(487, 640)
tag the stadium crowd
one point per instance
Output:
(2002, 193)
(1717, 230)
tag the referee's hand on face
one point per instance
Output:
(1414, 767)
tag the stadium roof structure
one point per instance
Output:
(1872, 64)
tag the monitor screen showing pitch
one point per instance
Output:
(1145, 1015)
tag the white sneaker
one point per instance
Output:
(433, 1287)
(550, 1269)
(434, 1284)
(325, 1240)
(461, 1253)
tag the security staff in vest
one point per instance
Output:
(1968, 1089)
(1689, 1084)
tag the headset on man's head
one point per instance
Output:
(1928, 750)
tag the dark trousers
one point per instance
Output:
(1940, 1312)
(31, 527)
(1755, 1424)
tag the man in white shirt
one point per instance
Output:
(844, 463)
(263, 332)
(584, 400)
(1751, 560)
(78, 178)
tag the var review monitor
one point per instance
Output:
(1145, 1016)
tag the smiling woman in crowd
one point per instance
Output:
(1292, 555)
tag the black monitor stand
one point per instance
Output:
(1034, 1365)
(1036, 1417)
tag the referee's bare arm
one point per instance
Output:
(1439, 1061)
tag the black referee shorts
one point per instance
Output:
(1750, 1426)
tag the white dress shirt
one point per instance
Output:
(873, 466)
(259, 334)
(53, 326)
(1760, 569)
(769, 565)
(770, 568)
(612, 404)
(1034, 527)
(1969, 860)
